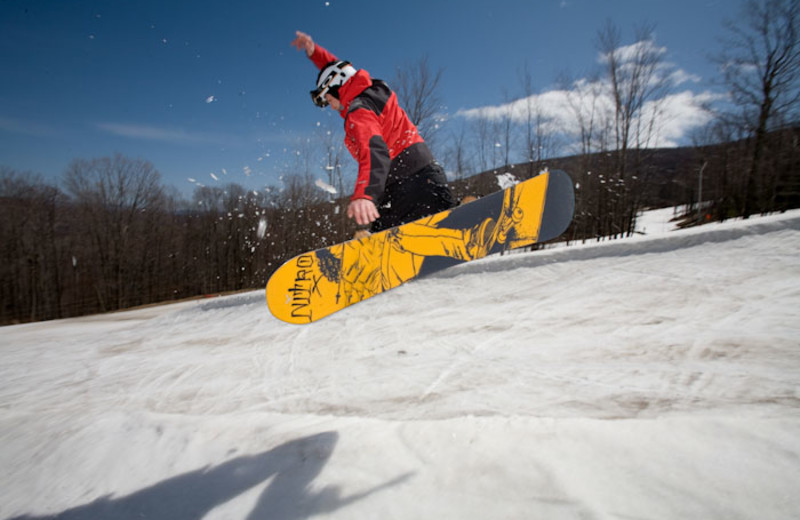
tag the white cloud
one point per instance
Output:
(680, 76)
(679, 114)
(671, 117)
(629, 53)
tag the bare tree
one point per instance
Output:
(334, 167)
(636, 76)
(760, 62)
(115, 196)
(483, 143)
(539, 140)
(417, 89)
(584, 101)
(334, 152)
(458, 155)
(503, 129)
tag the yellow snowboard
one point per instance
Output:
(318, 283)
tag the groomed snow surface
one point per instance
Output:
(656, 377)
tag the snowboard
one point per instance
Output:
(318, 283)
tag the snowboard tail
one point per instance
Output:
(318, 283)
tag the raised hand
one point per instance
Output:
(303, 42)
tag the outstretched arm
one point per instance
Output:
(319, 55)
(303, 42)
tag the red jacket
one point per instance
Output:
(378, 133)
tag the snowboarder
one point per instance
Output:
(398, 178)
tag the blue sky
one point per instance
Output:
(212, 92)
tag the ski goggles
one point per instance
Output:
(318, 94)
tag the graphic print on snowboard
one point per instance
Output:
(318, 283)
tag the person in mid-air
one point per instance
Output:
(398, 178)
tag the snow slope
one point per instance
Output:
(656, 377)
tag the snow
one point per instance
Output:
(654, 377)
(506, 180)
(324, 186)
(262, 228)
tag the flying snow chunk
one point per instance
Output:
(324, 186)
(506, 180)
(214, 177)
(210, 99)
(262, 227)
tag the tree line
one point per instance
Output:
(112, 236)
(115, 238)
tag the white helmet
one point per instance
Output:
(331, 77)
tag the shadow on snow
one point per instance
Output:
(292, 466)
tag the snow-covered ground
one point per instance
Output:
(656, 377)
